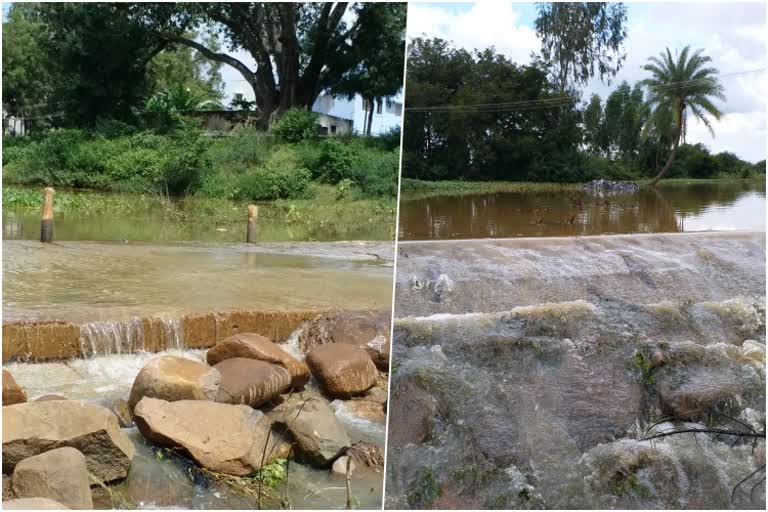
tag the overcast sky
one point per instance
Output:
(733, 34)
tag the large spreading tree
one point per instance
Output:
(288, 52)
(299, 49)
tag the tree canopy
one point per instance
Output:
(103, 60)
(582, 39)
(449, 137)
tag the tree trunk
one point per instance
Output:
(369, 122)
(675, 144)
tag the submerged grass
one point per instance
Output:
(419, 189)
(321, 216)
(412, 189)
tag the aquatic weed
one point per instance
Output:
(641, 363)
(426, 489)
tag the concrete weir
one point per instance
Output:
(49, 340)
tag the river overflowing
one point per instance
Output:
(669, 208)
(531, 370)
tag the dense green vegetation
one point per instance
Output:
(179, 161)
(536, 135)
(74, 64)
(477, 116)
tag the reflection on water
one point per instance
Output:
(671, 208)
(88, 281)
(155, 227)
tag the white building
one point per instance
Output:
(340, 116)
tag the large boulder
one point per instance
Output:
(691, 393)
(342, 370)
(33, 504)
(255, 346)
(369, 330)
(36, 427)
(221, 437)
(414, 409)
(12, 392)
(251, 382)
(174, 378)
(320, 438)
(60, 475)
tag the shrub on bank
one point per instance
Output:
(248, 164)
(295, 125)
(142, 162)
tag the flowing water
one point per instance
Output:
(107, 288)
(531, 369)
(670, 208)
(95, 281)
(157, 482)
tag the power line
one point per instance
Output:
(528, 105)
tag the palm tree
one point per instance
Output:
(678, 85)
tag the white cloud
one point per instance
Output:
(732, 34)
(485, 24)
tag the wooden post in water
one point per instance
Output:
(46, 224)
(253, 218)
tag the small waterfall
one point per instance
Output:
(108, 337)
(174, 333)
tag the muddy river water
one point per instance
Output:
(676, 207)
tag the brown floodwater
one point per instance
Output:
(671, 208)
(90, 281)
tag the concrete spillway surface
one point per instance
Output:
(529, 370)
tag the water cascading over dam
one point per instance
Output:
(530, 370)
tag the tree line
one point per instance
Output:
(479, 116)
(475, 115)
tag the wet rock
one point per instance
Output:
(618, 470)
(320, 437)
(368, 455)
(36, 427)
(415, 410)
(60, 474)
(660, 354)
(123, 412)
(250, 381)
(692, 393)
(377, 394)
(12, 392)
(369, 330)
(33, 504)
(691, 380)
(255, 346)
(343, 370)
(175, 378)
(224, 438)
(46, 398)
(367, 409)
(339, 467)
(603, 188)
(7, 488)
